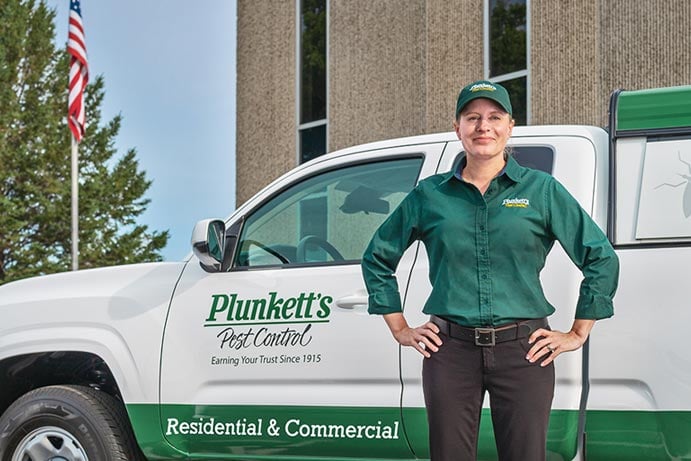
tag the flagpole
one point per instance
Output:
(76, 112)
(75, 204)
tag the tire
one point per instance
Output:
(74, 423)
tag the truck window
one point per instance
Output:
(328, 218)
(664, 203)
(653, 192)
(537, 157)
(650, 180)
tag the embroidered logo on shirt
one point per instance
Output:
(515, 203)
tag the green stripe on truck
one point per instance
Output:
(308, 432)
(654, 109)
(638, 435)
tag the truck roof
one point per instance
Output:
(654, 109)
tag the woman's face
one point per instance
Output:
(484, 129)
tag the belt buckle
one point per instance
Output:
(485, 337)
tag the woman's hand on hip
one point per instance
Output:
(424, 338)
(550, 344)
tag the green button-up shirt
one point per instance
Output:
(486, 252)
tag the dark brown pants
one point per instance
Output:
(455, 380)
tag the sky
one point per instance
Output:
(169, 70)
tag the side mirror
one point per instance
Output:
(207, 243)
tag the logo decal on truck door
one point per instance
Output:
(257, 326)
(312, 307)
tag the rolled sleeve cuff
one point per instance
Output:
(594, 307)
(385, 303)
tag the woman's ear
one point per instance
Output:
(456, 127)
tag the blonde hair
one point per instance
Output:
(508, 152)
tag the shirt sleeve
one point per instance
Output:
(384, 252)
(589, 248)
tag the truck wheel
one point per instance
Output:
(71, 423)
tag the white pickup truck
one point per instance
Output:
(259, 346)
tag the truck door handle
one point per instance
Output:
(351, 302)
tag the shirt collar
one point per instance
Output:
(513, 170)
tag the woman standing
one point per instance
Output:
(487, 228)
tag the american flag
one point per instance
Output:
(79, 72)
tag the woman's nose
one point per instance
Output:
(482, 124)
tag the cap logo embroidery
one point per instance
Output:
(515, 203)
(483, 87)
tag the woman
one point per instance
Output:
(487, 228)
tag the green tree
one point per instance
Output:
(35, 176)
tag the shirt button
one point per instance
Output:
(484, 276)
(482, 228)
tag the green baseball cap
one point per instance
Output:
(483, 89)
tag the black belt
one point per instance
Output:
(489, 336)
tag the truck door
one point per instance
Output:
(640, 399)
(278, 356)
(572, 160)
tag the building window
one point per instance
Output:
(506, 51)
(312, 140)
(312, 79)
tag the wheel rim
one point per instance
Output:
(49, 444)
